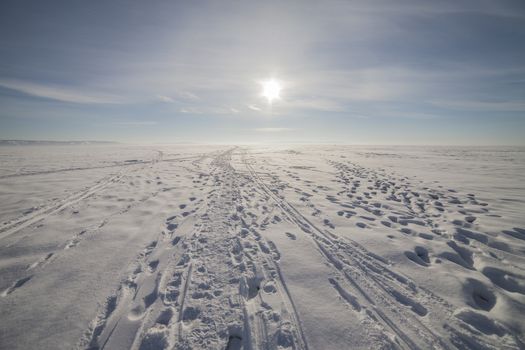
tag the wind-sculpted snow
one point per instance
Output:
(318, 247)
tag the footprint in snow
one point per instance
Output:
(291, 236)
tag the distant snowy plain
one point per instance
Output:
(262, 247)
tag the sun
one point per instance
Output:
(271, 90)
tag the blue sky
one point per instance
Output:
(358, 72)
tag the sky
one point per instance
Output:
(356, 72)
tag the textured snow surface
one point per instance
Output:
(261, 247)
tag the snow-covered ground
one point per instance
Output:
(261, 247)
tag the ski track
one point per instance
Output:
(15, 225)
(212, 279)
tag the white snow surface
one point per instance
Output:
(262, 247)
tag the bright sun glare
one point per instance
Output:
(271, 90)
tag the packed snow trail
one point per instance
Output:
(247, 248)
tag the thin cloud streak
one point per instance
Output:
(62, 94)
(472, 105)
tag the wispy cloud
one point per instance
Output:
(473, 105)
(165, 99)
(209, 110)
(315, 104)
(58, 93)
(186, 95)
(179, 96)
